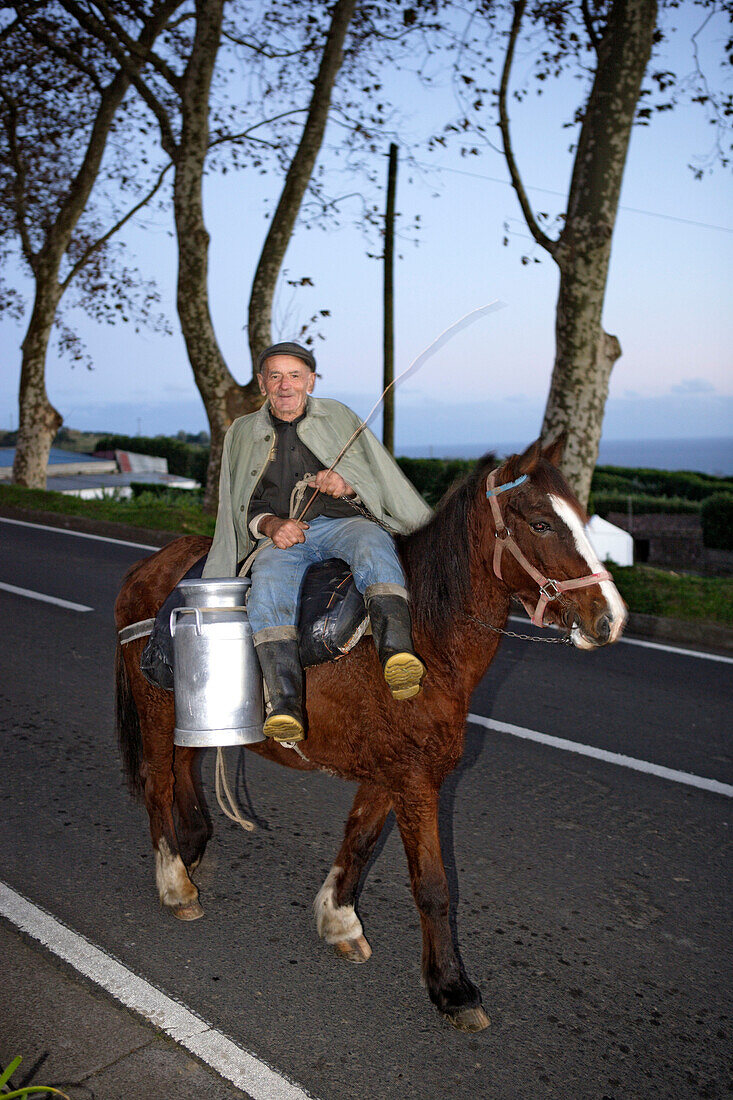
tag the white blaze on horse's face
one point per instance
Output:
(616, 608)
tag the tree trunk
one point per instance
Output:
(296, 182)
(223, 397)
(585, 354)
(38, 420)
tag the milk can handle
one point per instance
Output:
(196, 611)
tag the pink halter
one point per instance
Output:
(549, 589)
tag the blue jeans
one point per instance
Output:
(277, 575)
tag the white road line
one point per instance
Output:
(651, 645)
(678, 649)
(232, 1062)
(79, 534)
(602, 754)
(68, 604)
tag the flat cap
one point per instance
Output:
(287, 348)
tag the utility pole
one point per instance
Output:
(388, 357)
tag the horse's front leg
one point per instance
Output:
(336, 917)
(416, 810)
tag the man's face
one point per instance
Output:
(286, 381)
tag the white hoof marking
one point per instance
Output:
(174, 886)
(335, 922)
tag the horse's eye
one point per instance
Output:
(540, 526)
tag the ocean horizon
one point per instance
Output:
(703, 455)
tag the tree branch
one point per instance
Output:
(133, 47)
(19, 178)
(67, 55)
(88, 252)
(248, 132)
(588, 20)
(130, 68)
(265, 51)
(542, 239)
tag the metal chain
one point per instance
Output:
(359, 507)
(522, 637)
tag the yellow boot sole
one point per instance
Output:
(403, 673)
(283, 727)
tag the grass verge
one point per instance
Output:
(651, 591)
(646, 590)
(159, 512)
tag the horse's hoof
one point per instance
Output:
(470, 1019)
(192, 910)
(353, 951)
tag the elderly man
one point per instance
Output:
(265, 455)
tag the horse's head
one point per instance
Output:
(542, 553)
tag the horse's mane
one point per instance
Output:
(437, 556)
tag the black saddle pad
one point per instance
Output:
(156, 662)
(332, 618)
(332, 614)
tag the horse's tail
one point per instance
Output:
(129, 734)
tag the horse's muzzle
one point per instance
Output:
(599, 635)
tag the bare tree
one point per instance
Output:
(179, 97)
(55, 123)
(610, 44)
(584, 352)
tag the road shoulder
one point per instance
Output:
(75, 1037)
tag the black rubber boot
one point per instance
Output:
(392, 631)
(281, 668)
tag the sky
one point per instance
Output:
(668, 297)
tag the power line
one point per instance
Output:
(561, 194)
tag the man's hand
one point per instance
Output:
(332, 484)
(283, 532)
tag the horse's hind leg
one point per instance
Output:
(175, 888)
(190, 812)
(416, 810)
(336, 917)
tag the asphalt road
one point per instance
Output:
(592, 902)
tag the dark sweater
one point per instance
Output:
(291, 461)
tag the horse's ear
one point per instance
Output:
(526, 462)
(554, 451)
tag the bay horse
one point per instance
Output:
(399, 753)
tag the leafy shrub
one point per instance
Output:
(716, 514)
(167, 493)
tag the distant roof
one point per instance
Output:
(56, 457)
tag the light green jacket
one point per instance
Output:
(367, 466)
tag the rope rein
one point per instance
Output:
(223, 790)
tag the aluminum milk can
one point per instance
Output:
(217, 682)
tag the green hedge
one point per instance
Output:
(684, 484)
(603, 503)
(432, 477)
(716, 514)
(169, 493)
(184, 459)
